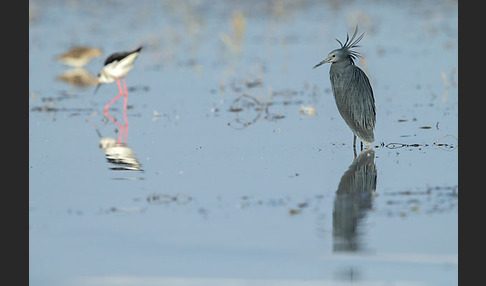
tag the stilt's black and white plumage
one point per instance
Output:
(117, 66)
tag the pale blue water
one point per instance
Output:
(221, 203)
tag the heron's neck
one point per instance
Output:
(339, 67)
(344, 62)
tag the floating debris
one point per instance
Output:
(156, 116)
(438, 143)
(307, 110)
(254, 83)
(158, 198)
(139, 87)
(247, 103)
(447, 146)
(55, 109)
(294, 211)
(272, 116)
(402, 145)
(125, 210)
(421, 200)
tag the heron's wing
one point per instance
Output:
(354, 98)
(363, 99)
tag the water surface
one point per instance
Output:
(238, 169)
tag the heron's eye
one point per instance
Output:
(333, 56)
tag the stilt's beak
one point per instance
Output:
(97, 87)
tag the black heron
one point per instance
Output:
(352, 90)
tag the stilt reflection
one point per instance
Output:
(118, 154)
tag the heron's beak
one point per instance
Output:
(98, 86)
(321, 63)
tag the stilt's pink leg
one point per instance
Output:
(116, 97)
(125, 117)
(111, 117)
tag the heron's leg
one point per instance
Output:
(361, 145)
(354, 146)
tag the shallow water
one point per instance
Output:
(238, 169)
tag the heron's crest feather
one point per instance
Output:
(350, 44)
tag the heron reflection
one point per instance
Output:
(354, 199)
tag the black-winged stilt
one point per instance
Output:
(117, 66)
